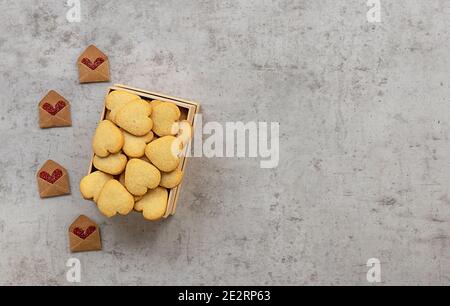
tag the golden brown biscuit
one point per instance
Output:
(108, 139)
(112, 114)
(154, 103)
(153, 204)
(122, 181)
(141, 176)
(118, 98)
(134, 117)
(171, 179)
(114, 198)
(163, 153)
(134, 146)
(113, 164)
(165, 116)
(92, 184)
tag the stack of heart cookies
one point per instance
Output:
(137, 156)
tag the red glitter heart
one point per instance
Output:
(83, 234)
(53, 110)
(92, 65)
(56, 175)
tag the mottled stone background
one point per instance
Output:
(364, 133)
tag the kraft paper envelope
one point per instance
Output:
(84, 235)
(54, 111)
(53, 180)
(93, 66)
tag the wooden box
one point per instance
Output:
(188, 111)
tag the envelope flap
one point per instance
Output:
(63, 116)
(52, 97)
(102, 71)
(92, 53)
(82, 222)
(50, 166)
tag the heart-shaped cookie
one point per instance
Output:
(141, 176)
(153, 204)
(134, 146)
(113, 164)
(165, 118)
(122, 181)
(108, 139)
(117, 99)
(115, 198)
(92, 184)
(134, 117)
(171, 179)
(164, 153)
(153, 103)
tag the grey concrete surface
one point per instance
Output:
(364, 134)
